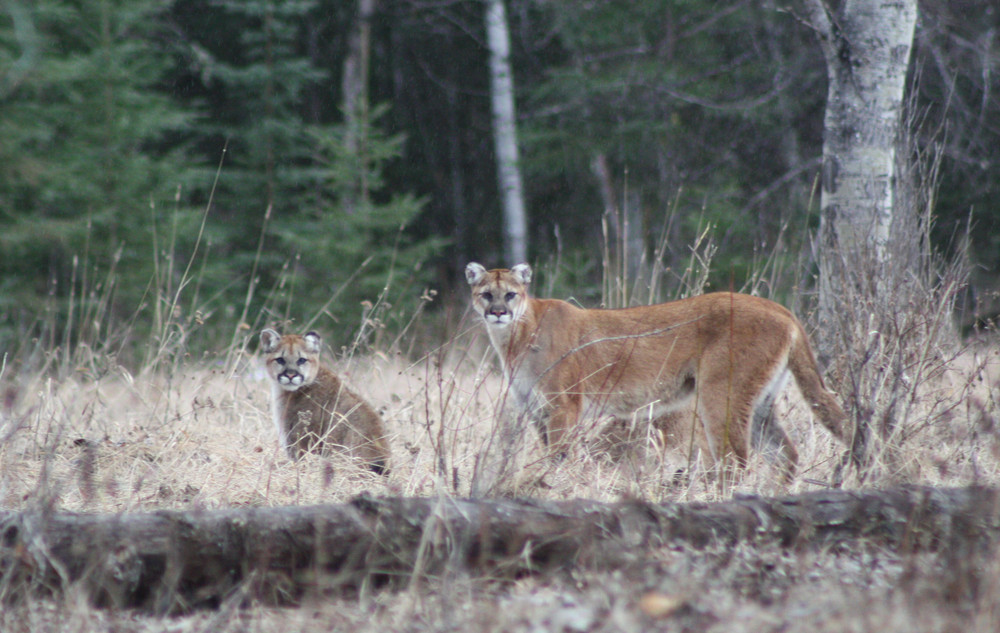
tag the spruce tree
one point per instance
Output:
(90, 157)
(296, 242)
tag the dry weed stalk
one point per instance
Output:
(894, 342)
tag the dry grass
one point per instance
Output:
(80, 433)
(198, 435)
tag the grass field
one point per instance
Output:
(90, 436)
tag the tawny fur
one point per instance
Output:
(312, 408)
(720, 359)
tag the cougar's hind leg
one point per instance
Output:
(766, 434)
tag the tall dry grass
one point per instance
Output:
(81, 432)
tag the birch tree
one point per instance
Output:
(505, 134)
(866, 44)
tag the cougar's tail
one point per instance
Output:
(802, 364)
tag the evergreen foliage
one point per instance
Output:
(177, 167)
(363, 255)
(277, 210)
(676, 96)
(86, 162)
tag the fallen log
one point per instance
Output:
(172, 561)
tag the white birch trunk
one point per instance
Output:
(505, 134)
(867, 46)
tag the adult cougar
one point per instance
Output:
(724, 356)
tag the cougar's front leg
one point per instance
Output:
(563, 416)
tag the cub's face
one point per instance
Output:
(499, 295)
(292, 360)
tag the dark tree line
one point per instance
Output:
(121, 121)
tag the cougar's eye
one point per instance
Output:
(487, 296)
(280, 361)
(302, 361)
(509, 296)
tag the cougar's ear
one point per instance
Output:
(313, 342)
(523, 273)
(474, 273)
(269, 340)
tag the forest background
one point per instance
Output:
(183, 168)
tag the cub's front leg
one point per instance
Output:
(301, 433)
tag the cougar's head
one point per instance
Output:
(500, 295)
(292, 360)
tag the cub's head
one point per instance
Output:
(500, 295)
(292, 360)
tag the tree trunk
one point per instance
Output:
(354, 85)
(505, 135)
(171, 561)
(867, 45)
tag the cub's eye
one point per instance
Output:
(509, 296)
(280, 361)
(487, 296)
(302, 361)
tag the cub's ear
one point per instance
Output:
(474, 273)
(313, 342)
(269, 340)
(523, 273)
